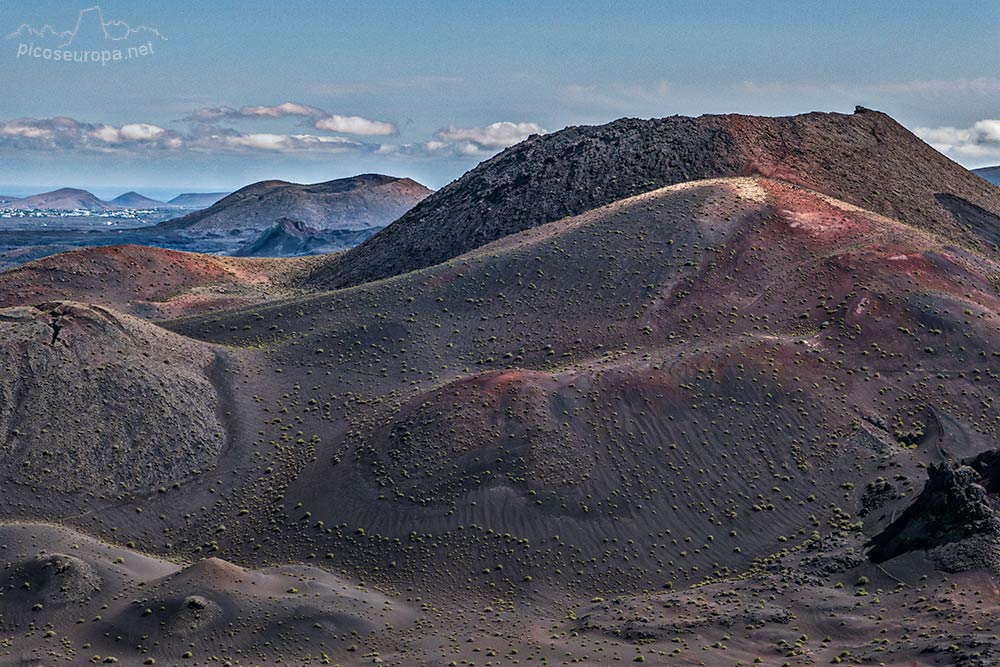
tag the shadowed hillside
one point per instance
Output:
(291, 238)
(991, 174)
(182, 607)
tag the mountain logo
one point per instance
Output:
(91, 39)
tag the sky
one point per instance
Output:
(165, 97)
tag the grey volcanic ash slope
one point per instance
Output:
(866, 158)
(609, 375)
(92, 400)
(359, 202)
(652, 394)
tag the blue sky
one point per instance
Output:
(428, 90)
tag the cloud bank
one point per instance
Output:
(62, 133)
(979, 142)
(329, 122)
(355, 125)
(288, 143)
(208, 132)
(483, 140)
(276, 111)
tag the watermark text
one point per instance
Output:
(102, 56)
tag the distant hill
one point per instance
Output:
(74, 198)
(991, 174)
(356, 203)
(197, 200)
(292, 238)
(136, 200)
(63, 199)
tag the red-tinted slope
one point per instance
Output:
(146, 281)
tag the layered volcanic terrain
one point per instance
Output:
(710, 391)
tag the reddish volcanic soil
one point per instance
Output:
(149, 282)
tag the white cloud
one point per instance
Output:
(106, 134)
(283, 109)
(25, 129)
(67, 134)
(495, 135)
(284, 143)
(141, 132)
(276, 111)
(129, 132)
(465, 142)
(40, 132)
(63, 133)
(468, 148)
(979, 142)
(355, 125)
(206, 114)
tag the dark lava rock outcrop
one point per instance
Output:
(954, 517)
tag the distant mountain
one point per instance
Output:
(63, 199)
(356, 203)
(196, 200)
(292, 238)
(991, 174)
(136, 200)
